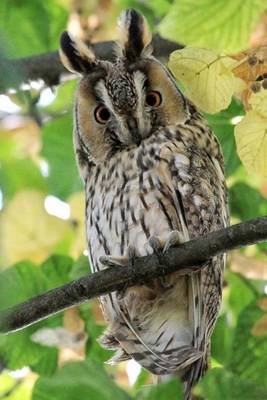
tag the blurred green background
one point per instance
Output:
(42, 210)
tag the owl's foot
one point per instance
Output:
(174, 238)
(119, 261)
(159, 247)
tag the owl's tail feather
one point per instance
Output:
(195, 373)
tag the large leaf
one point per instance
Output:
(42, 23)
(222, 24)
(246, 202)
(250, 346)
(17, 284)
(16, 174)
(221, 341)
(224, 129)
(28, 231)
(94, 330)
(251, 142)
(241, 294)
(78, 381)
(169, 390)
(221, 384)
(63, 177)
(207, 77)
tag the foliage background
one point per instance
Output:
(42, 223)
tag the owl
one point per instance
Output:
(154, 177)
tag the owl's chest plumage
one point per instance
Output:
(129, 201)
(166, 184)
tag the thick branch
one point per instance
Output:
(186, 257)
(49, 68)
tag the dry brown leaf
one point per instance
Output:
(260, 327)
(262, 303)
(251, 68)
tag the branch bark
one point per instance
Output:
(187, 257)
(49, 68)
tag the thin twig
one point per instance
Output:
(188, 257)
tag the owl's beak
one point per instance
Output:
(133, 129)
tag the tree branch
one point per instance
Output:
(49, 68)
(187, 257)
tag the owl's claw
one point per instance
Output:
(112, 261)
(155, 243)
(174, 238)
(119, 261)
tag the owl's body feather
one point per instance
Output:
(151, 169)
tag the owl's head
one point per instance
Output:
(120, 104)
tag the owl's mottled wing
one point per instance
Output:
(197, 179)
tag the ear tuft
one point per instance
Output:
(135, 36)
(75, 55)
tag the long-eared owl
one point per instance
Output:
(154, 177)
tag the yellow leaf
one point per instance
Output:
(207, 77)
(258, 102)
(28, 232)
(251, 142)
(77, 215)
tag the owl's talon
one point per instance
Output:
(174, 238)
(112, 261)
(155, 243)
(119, 261)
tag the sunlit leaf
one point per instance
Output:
(17, 284)
(16, 389)
(16, 174)
(168, 390)
(258, 101)
(42, 24)
(242, 293)
(246, 202)
(222, 125)
(223, 25)
(78, 381)
(28, 231)
(63, 177)
(249, 350)
(207, 77)
(221, 384)
(251, 142)
(221, 344)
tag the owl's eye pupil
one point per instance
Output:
(102, 114)
(153, 99)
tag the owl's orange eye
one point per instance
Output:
(102, 114)
(153, 99)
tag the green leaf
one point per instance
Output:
(250, 346)
(63, 176)
(223, 127)
(223, 24)
(169, 390)
(78, 381)
(80, 268)
(221, 384)
(64, 97)
(42, 24)
(16, 174)
(94, 351)
(221, 342)
(246, 202)
(19, 283)
(14, 389)
(242, 293)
